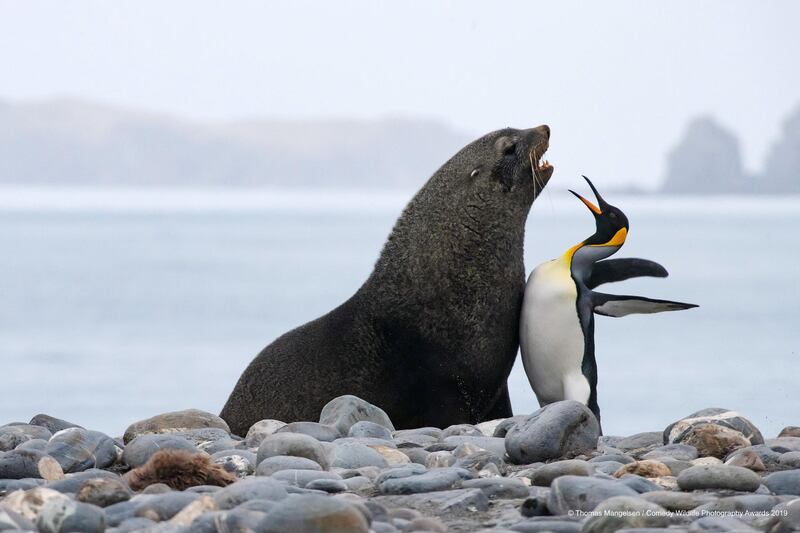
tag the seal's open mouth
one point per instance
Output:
(541, 167)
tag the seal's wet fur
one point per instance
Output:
(179, 469)
(432, 334)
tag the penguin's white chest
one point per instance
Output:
(551, 338)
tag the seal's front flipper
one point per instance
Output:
(618, 305)
(613, 270)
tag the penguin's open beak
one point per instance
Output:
(593, 208)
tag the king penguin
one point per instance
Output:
(557, 319)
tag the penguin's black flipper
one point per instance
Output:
(612, 270)
(619, 305)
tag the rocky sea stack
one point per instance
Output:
(351, 471)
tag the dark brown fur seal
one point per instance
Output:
(432, 334)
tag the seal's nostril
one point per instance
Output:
(545, 129)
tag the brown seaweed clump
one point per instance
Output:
(179, 469)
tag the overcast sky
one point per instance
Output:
(617, 81)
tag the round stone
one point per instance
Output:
(786, 482)
(391, 455)
(557, 430)
(358, 483)
(461, 429)
(365, 428)
(678, 501)
(440, 459)
(34, 444)
(175, 421)
(426, 524)
(261, 429)
(9, 520)
(12, 435)
(481, 460)
(139, 450)
(295, 444)
(749, 503)
(682, 452)
(717, 416)
(545, 474)
(644, 468)
(159, 507)
(639, 484)
(20, 464)
(253, 488)
(345, 411)
(675, 466)
(713, 440)
(311, 512)
(784, 444)
(788, 460)
(73, 482)
(29, 503)
(748, 459)
(429, 481)
(301, 478)
(327, 485)
(270, 465)
(617, 457)
(637, 444)
(502, 429)
(578, 493)
(768, 456)
(790, 431)
(355, 455)
(188, 514)
(621, 512)
(718, 477)
(78, 449)
(61, 515)
(608, 467)
(320, 432)
(52, 424)
(498, 487)
(103, 492)
(240, 463)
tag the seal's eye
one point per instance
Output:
(475, 172)
(506, 145)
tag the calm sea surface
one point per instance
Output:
(117, 305)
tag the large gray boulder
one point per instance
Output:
(561, 429)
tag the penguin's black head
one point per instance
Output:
(612, 224)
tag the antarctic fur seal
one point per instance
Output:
(432, 334)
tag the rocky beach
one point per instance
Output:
(352, 471)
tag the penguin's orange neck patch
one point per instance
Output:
(617, 240)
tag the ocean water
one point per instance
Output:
(116, 305)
